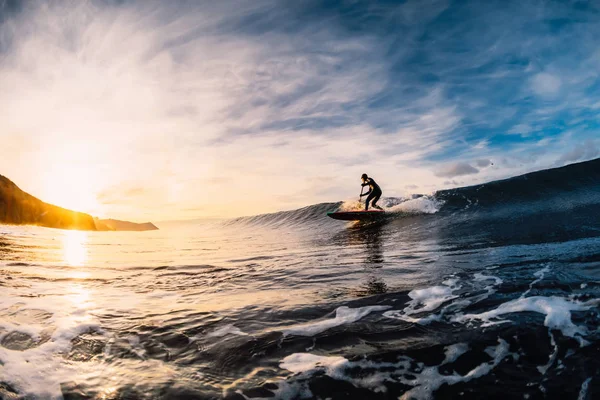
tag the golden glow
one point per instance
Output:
(75, 254)
(71, 186)
(75, 250)
(108, 393)
(79, 296)
(78, 275)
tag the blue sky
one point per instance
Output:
(187, 108)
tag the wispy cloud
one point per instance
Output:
(482, 163)
(546, 85)
(584, 151)
(458, 169)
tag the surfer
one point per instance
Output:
(374, 192)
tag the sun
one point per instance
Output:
(74, 187)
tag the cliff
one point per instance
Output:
(20, 208)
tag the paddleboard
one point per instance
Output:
(356, 215)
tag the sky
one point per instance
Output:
(157, 110)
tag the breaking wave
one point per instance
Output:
(552, 190)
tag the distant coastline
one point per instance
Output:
(118, 225)
(20, 208)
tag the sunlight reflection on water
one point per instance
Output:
(75, 249)
(79, 296)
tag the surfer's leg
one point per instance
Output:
(369, 198)
(375, 200)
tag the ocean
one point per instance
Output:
(489, 291)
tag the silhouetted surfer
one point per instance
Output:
(374, 192)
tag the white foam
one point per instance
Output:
(544, 368)
(227, 330)
(450, 282)
(430, 379)
(427, 299)
(584, 389)
(352, 205)
(423, 380)
(454, 351)
(134, 342)
(343, 315)
(37, 371)
(421, 205)
(479, 277)
(335, 367)
(490, 289)
(557, 311)
(302, 362)
(539, 275)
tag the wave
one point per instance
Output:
(556, 188)
(317, 213)
(416, 204)
(302, 215)
(551, 190)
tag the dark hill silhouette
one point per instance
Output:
(20, 208)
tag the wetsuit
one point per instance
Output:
(374, 193)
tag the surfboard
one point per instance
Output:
(356, 215)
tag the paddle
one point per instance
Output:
(360, 197)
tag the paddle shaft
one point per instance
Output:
(361, 191)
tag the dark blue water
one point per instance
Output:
(490, 291)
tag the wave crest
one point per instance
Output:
(416, 204)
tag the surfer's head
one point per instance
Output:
(364, 177)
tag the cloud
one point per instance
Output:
(483, 162)
(456, 169)
(545, 84)
(452, 182)
(482, 144)
(122, 194)
(584, 151)
(203, 103)
(520, 129)
(171, 98)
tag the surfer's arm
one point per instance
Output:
(367, 183)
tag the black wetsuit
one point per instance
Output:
(374, 192)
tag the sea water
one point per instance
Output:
(478, 292)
